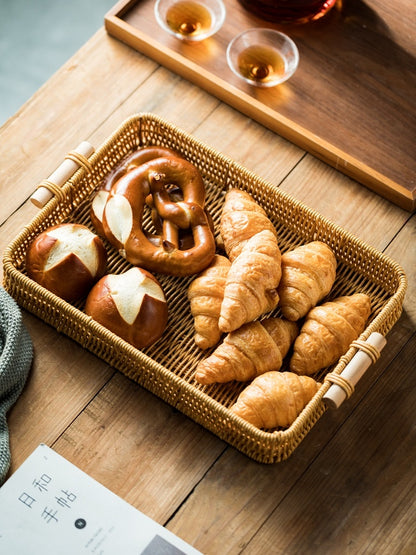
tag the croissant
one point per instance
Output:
(328, 331)
(241, 218)
(275, 399)
(251, 286)
(249, 351)
(205, 294)
(308, 274)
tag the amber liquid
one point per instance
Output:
(288, 11)
(189, 18)
(261, 64)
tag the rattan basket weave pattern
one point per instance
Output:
(167, 367)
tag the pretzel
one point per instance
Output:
(133, 160)
(130, 162)
(186, 240)
(150, 184)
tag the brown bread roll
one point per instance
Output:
(132, 305)
(66, 259)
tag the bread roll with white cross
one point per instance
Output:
(132, 305)
(67, 259)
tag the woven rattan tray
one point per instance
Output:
(167, 368)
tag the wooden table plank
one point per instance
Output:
(140, 448)
(403, 248)
(165, 94)
(345, 202)
(252, 145)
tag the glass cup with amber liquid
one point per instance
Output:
(190, 20)
(263, 57)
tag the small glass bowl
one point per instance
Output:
(263, 57)
(190, 20)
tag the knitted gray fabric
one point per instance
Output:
(16, 353)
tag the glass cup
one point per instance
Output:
(190, 20)
(263, 57)
(288, 11)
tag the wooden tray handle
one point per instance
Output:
(343, 384)
(52, 186)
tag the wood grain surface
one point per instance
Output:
(349, 487)
(351, 101)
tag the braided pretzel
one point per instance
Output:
(135, 159)
(130, 162)
(186, 240)
(124, 210)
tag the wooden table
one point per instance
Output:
(350, 486)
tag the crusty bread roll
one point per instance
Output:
(67, 259)
(132, 305)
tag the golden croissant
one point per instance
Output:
(205, 294)
(251, 286)
(308, 274)
(328, 331)
(241, 218)
(275, 399)
(253, 349)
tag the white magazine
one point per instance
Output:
(50, 506)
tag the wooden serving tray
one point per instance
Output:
(351, 102)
